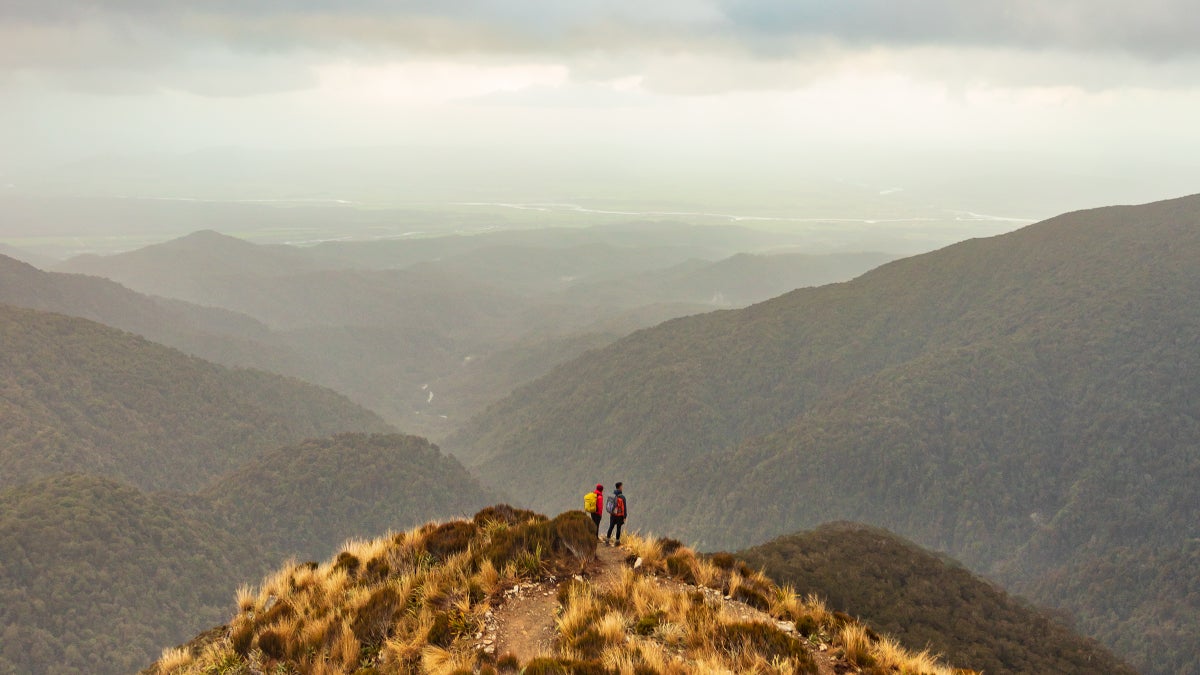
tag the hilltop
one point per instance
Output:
(1024, 402)
(924, 599)
(474, 595)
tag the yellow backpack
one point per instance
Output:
(589, 503)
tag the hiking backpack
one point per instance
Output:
(590, 503)
(610, 504)
(618, 509)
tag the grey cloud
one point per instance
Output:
(149, 37)
(1151, 28)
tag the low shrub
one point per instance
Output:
(763, 639)
(509, 515)
(669, 545)
(372, 623)
(508, 663)
(723, 560)
(450, 538)
(682, 567)
(349, 562)
(440, 633)
(272, 643)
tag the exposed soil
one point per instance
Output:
(525, 624)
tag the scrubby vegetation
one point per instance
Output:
(417, 601)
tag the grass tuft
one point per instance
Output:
(173, 659)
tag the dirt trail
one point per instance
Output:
(524, 624)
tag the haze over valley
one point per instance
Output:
(317, 321)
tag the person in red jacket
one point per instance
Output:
(598, 514)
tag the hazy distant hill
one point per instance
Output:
(923, 599)
(26, 256)
(674, 239)
(302, 500)
(991, 399)
(535, 270)
(84, 397)
(169, 269)
(95, 576)
(211, 333)
(733, 282)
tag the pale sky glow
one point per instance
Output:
(1075, 89)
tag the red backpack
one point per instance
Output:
(618, 509)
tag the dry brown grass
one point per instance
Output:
(173, 659)
(408, 603)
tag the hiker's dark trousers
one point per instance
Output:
(596, 518)
(617, 522)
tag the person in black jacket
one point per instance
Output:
(617, 508)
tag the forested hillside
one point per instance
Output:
(95, 575)
(923, 599)
(83, 397)
(989, 399)
(211, 333)
(304, 499)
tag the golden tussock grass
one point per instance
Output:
(856, 644)
(647, 548)
(413, 601)
(174, 659)
(890, 655)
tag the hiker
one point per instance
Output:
(617, 509)
(592, 503)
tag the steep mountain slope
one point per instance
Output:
(214, 334)
(95, 575)
(922, 599)
(991, 399)
(302, 500)
(78, 396)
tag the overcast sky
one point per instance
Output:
(1103, 95)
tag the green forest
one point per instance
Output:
(927, 601)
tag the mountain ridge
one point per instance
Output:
(955, 369)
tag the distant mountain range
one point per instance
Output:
(1026, 402)
(388, 323)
